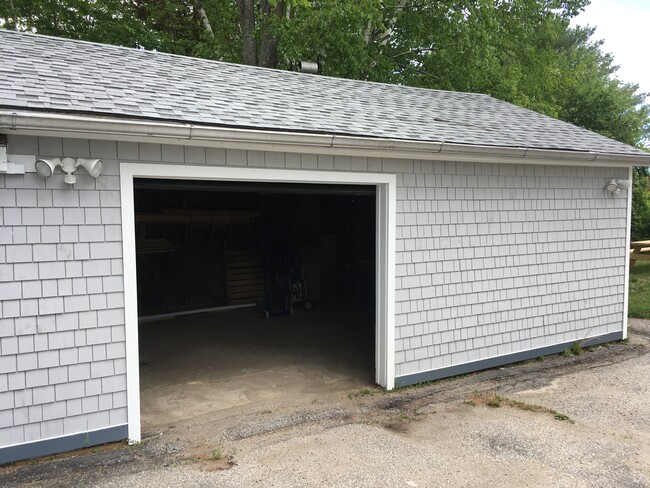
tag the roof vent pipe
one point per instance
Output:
(310, 67)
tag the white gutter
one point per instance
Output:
(111, 128)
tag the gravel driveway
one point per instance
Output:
(565, 421)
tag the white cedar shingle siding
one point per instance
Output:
(61, 357)
(491, 259)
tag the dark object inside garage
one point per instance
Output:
(233, 251)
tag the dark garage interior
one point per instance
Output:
(252, 293)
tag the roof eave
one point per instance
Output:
(141, 130)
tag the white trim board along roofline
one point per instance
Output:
(139, 130)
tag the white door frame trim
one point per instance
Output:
(386, 185)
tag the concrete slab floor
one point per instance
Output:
(213, 362)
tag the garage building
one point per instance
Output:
(155, 208)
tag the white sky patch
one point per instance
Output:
(624, 25)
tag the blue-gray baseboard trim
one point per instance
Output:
(66, 443)
(436, 374)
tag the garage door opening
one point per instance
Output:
(385, 186)
(250, 294)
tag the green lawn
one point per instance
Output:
(640, 290)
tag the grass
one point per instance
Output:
(639, 296)
(576, 349)
(217, 454)
(496, 401)
(363, 392)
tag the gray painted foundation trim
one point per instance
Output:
(62, 444)
(437, 374)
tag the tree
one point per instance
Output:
(590, 96)
(520, 51)
(640, 229)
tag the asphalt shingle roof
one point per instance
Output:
(52, 74)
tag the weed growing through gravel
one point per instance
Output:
(362, 393)
(217, 454)
(576, 349)
(495, 401)
(425, 384)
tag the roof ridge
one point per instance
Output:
(233, 64)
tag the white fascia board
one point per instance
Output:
(369, 143)
(475, 150)
(111, 128)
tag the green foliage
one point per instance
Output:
(591, 97)
(576, 349)
(334, 34)
(217, 454)
(494, 402)
(640, 205)
(639, 293)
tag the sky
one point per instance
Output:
(624, 25)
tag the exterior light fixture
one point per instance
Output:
(614, 186)
(46, 167)
(93, 167)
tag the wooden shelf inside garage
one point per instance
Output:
(182, 216)
(244, 276)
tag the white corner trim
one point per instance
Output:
(386, 185)
(388, 291)
(628, 229)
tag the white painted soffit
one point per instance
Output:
(109, 128)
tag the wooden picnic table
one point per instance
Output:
(640, 252)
